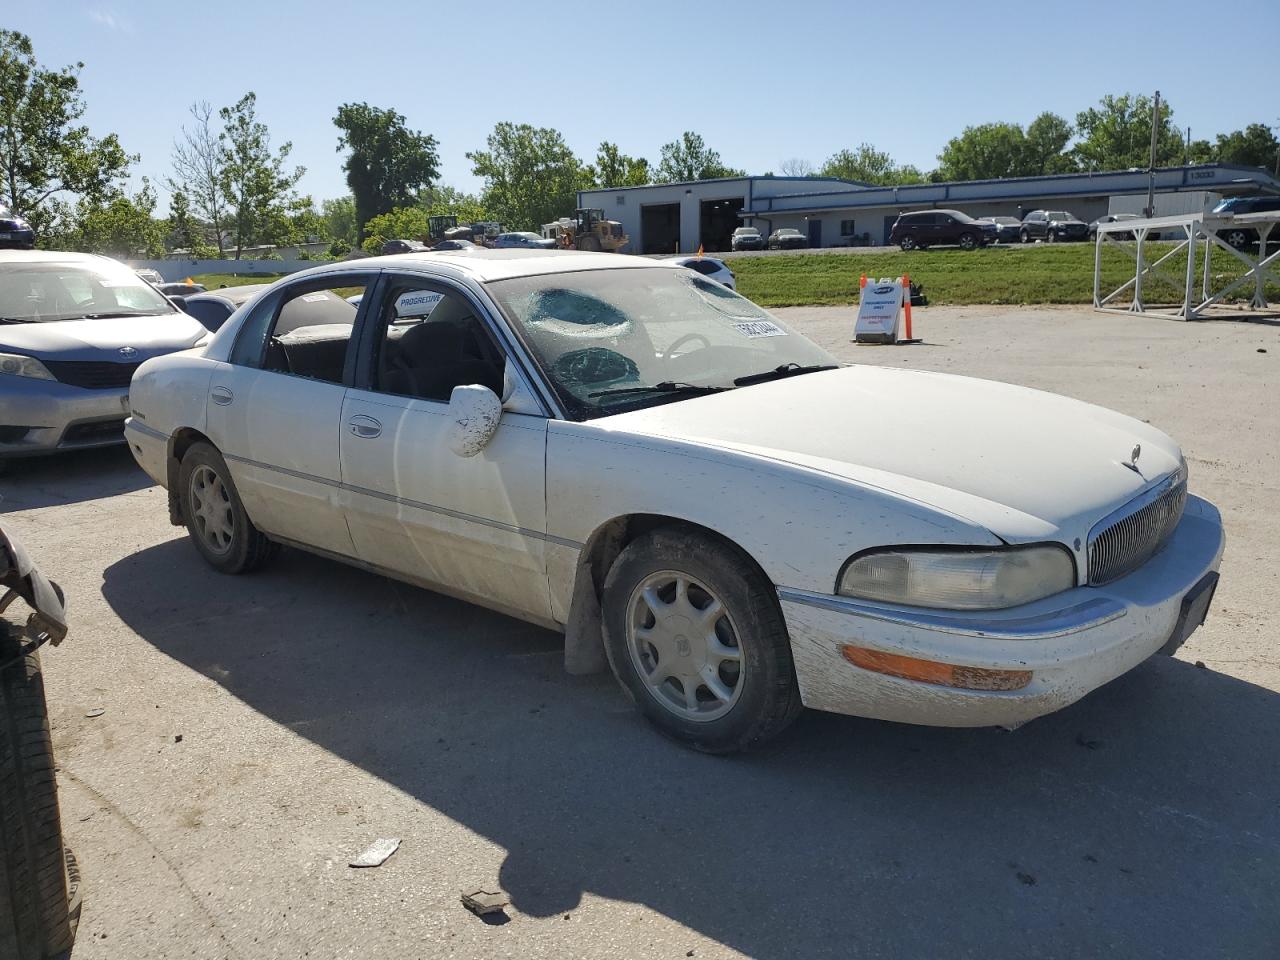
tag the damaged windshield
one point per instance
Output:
(611, 340)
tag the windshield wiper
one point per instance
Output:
(118, 316)
(665, 386)
(785, 370)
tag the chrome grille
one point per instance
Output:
(1133, 534)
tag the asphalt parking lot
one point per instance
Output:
(260, 731)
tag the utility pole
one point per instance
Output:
(1186, 149)
(1151, 167)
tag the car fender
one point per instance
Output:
(798, 524)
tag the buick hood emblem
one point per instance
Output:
(128, 352)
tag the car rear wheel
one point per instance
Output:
(907, 243)
(216, 519)
(1237, 239)
(968, 241)
(39, 895)
(695, 635)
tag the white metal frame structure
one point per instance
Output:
(1191, 228)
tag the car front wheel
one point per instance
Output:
(1237, 239)
(695, 635)
(968, 241)
(216, 519)
(1024, 236)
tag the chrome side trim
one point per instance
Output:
(418, 504)
(1053, 623)
(143, 429)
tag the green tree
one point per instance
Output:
(254, 179)
(340, 219)
(1254, 146)
(1116, 135)
(184, 233)
(531, 176)
(613, 168)
(120, 226)
(388, 164)
(866, 164)
(449, 201)
(689, 158)
(402, 223)
(44, 150)
(197, 161)
(984, 152)
(1045, 146)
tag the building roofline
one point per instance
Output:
(693, 183)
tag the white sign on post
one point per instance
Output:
(878, 311)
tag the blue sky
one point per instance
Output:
(760, 81)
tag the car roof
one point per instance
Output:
(236, 295)
(54, 256)
(486, 265)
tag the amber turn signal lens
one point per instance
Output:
(931, 671)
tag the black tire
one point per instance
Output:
(36, 911)
(907, 243)
(769, 699)
(1237, 239)
(1052, 236)
(248, 548)
(968, 241)
(1024, 237)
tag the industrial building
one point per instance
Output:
(680, 217)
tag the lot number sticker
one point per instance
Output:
(759, 328)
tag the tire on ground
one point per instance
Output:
(769, 700)
(249, 548)
(36, 921)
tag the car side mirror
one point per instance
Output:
(179, 301)
(475, 411)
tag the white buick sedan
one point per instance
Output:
(689, 489)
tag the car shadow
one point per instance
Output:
(70, 477)
(1141, 822)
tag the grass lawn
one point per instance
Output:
(1046, 273)
(213, 281)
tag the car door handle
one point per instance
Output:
(364, 427)
(222, 395)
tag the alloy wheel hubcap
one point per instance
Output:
(684, 645)
(211, 509)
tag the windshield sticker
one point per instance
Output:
(315, 297)
(755, 329)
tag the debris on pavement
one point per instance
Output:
(1026, 879)
(377, 852)
(483, 902)
(1087, 742)
(177, 738)
(95, 712)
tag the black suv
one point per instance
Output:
(1052, 225)
(1244, 236)
(925, 228)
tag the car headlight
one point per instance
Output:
(977, 579)
(17, 365)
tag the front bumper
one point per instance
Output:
(1072, 643)
(47, 416)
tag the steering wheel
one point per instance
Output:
(686, 338)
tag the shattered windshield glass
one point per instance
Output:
(603, 336)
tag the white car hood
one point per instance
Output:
(1027, 465)
(103, 339)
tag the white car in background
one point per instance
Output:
(710, 267)
(694, 493)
